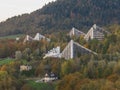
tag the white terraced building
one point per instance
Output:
(55, 52)
(95, 32)
(39, 37)
(75, 32)
(28, 38)
(74, 49)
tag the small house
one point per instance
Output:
(25, 68)
(50, 77)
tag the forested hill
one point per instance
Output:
(63, 15)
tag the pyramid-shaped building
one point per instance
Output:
(75, 32)
(74, 49)
(95, 32)
(39, 37)
(28, 38)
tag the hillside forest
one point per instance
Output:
(85, 72)
(62, 15)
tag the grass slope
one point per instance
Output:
(41, 86)
(12, 36)
(5, 61)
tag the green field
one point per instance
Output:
(5, 61)
(41, 86)
(12, 36)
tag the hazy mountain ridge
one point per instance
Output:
(63, 15)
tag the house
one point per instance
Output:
(50, 77)
(76, 32)
(55, 52)
(95, 32)
(74, 49)
(25, 68)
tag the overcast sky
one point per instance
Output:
(9, 8)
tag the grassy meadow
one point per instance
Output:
(41, 86)
(6, 61)
(12, 36)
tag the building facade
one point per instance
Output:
(76, 32)
(55, 52)
(74, 49)
(28, 38)
(95, 32)
(39, 37)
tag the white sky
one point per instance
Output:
(10, 8)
